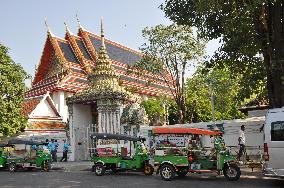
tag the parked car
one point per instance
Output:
(274, 143)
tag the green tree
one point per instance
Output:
(252, 36)
(12, 89)
(155, 111)
(225, 89)
(171, 50)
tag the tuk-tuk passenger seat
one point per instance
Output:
(104, 152)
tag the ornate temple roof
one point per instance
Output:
(67, 62)
(103, 80)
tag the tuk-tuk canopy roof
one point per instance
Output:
(2, 145)
(23, 141)
(108, 136)
(183, 130)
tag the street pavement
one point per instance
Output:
(78, 174)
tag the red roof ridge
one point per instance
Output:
(116, 43)
(61, 39)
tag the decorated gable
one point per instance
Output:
(43, 109)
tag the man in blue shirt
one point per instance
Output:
(65, 151)
(52, 148)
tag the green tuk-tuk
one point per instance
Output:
(109, 159)
(3, 156)
(187, 155)
(28, 155)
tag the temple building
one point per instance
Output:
(83, 80)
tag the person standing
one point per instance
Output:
(65, 151)
(242, 141)
(56, 148)
(52, 147)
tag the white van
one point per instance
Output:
(274, 143)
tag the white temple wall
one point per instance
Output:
(59, 99)
(80, 118)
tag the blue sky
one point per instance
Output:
(24, 32)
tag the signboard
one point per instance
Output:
(178, 141)
(174, 140)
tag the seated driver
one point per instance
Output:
(142, 146)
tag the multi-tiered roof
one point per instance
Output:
(67, 63)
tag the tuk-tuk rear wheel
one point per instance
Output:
(99, 169)
(167, 172)
(148, 169)
(232, 172)
(12, 167)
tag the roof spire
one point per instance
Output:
(78, 21)
(67, 28)
(47, 27)
(102, 33)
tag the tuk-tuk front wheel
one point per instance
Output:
(12, 167)
(45, 166)
(167, 172)
(100, 169)
(232, 172)
(148, 169)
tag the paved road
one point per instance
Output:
(83, 178)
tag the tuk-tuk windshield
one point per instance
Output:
(109, 136)
(23, 141)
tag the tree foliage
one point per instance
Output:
(225, 89)
(169, 51)
(155, 111)
(134, 114)
(12, 89)
(252, 37)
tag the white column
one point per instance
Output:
(117, 117)
(105, 122)
(110, 121)
(100, 121)
(114, 121)
(61, 105)
(71, 129)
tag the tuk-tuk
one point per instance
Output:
(28, 155)
(3, 156)
(109, 159)
(187, 155)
